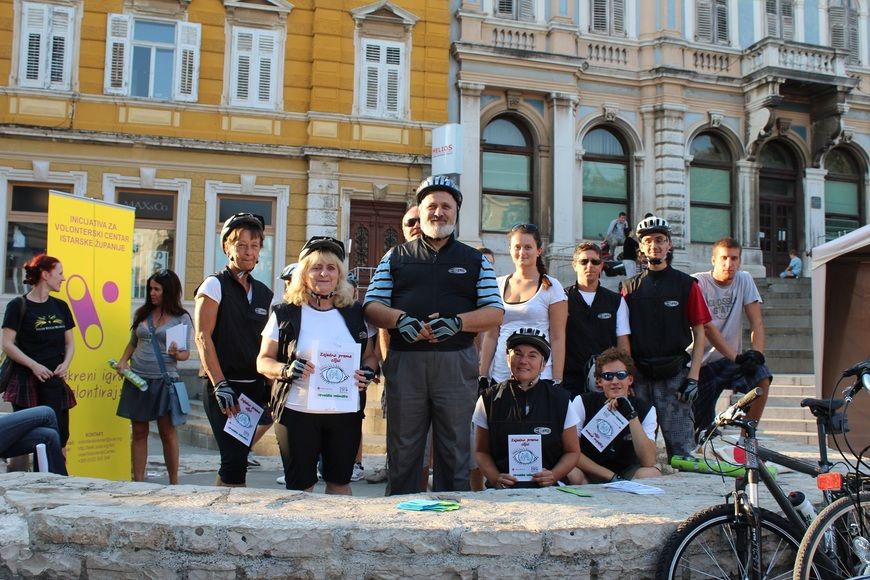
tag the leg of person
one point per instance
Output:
(760, 379)
(341, 438)
(427, 461)
(22, 430)
(234, 454)
(282, 436)
(709, 391)
(408, 419)
(638, 472)
(139, 448)
(475, 477)
(301, 443)
(169, 438)
(453, 399)
(675, 416)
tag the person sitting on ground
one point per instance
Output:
(632, 454)
(22, 431)
(795, 266)
(525, 404)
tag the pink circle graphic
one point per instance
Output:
(110, 292)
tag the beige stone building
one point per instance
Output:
(748, 118)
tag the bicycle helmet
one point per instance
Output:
(324, 244)
(439, 183)
(287, 272)
(242, 220)
(532, 337)
(653, 225)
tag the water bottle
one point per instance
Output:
(134, 379)
(803, 505)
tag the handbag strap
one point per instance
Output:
(157, 352)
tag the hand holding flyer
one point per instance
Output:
(604, 427)
(332, 387)
(525, 456)
(244, 423)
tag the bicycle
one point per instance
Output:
(739, 539)
(837, 543)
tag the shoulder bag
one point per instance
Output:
(178, 386)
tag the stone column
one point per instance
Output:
(469, 118)
(644, 192)
(562, 236)
(670, 166)
(814, 207)
(747, 223)
(323, 197)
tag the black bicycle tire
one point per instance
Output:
(816, 532)
(699, 522)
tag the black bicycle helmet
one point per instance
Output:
(242, 220)
(323, 243)
(287, 272)
(532, 337)
(439, 183)
(653, 225)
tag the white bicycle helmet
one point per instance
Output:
(439, 183)
(653, 225)
(532, 337)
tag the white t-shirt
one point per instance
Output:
(649, 423)
(726, 307)
(479, 417)
(323, 327)
(534, 313)
(211, 287)
(623, 327)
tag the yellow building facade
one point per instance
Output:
(316, 114)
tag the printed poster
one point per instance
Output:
(332, 387)
(525, 457)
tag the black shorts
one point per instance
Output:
(303, 437)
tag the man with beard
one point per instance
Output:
(433, 294)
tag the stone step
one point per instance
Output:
(793, 361)
(787, 425)
(795, 322)
(777, 411)
(803, 437)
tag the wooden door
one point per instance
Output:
(778, 223)
(375, 227)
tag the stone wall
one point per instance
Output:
(56, 527)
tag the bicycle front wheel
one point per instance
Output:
(837, 543)
(714, 543)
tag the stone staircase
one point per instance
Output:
(787, 314)
(784, 418)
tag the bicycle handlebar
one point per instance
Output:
(730, 413)
(863, 382)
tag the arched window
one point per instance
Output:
(710, 188)
(843, 211)
(507, 175)
(605, 181)
(843, 19)
(711, 21)
(780, 18)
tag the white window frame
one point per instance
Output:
(119, 57)
(214, 190)
(611, 8)
(774, 24)
(58, 22)
(522, 10)
(276, 69)
(383, 69)
(40, 174)
(180, 187)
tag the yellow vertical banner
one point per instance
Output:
(94, 242)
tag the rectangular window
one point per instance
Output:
(152, 59)
(45, 50)
(608, 17)
(842, 212)
(228, 206)
(27, 231)
(517, 9)
(254, 77)
(153, 234)
(780, 18)
(383, 87)
(711, 21)
(710, 198)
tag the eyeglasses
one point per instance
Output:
(647, 241)
(525, 227)
(410, 223)
(593, 261)
(610, 375)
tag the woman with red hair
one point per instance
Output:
(39, 340)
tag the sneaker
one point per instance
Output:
(358, 472)
(252, 461)
(378, 476)
(282, 480)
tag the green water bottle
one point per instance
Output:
(134, 379)
(699, 465)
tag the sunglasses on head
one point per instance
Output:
(525, 227)
(593, 261)
(411, 222)
(610, 375)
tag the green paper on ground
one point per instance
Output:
(574, 491)
(428, 505)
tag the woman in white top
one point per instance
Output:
(531, 299)
(318, 347)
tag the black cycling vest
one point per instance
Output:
(237, 329)
(426, 281)
(590, 329)
(658, 305)
(543, 412)
(619, 454)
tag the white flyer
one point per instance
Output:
(525, 456)
(604, 427)
(178, 335)
(243, 425)
(634, 487)
(332, 386)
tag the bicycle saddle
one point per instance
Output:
(822, 407)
